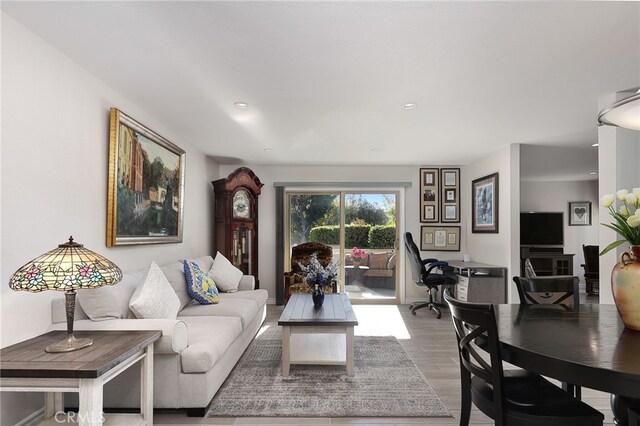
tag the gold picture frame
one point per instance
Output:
(145, 201)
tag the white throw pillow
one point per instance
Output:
(226, 276)
(155, 298)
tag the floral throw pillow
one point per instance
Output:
(200, 286)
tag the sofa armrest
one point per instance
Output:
(247, 282)
(174, 332)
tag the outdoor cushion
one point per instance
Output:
(208, 339)
(378, 260)
(379, 273)
(245, 309)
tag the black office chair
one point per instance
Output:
(551, 290)
(514, 397)
(423, 276)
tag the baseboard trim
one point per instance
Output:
(33, 419)
(271, 301)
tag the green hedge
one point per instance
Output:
(382, 236)
(362, 236)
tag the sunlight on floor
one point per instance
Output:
(380, 320)
(262, 330)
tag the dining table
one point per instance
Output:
(586, 345)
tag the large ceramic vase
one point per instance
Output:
(318, 296)
(625, 283)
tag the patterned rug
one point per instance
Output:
(386, 384)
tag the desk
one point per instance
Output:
(479, 282)
(587, 346)
(26, 367)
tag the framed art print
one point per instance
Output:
(450, 201)
(440, 238)
(429, 195)
(579, 213)
(146, 185)
(484, 208)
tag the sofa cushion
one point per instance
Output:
(226, 276)
(378, 260)
(200, 286)
(245, 309)
(379, 273)
(174, 271)
(208, 340)
(111, 301)
(260, 296)
(155, 298)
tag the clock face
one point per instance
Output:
(241, 204)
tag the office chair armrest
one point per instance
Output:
(435, 265)
(429, 260)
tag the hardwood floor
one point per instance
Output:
(431, 345)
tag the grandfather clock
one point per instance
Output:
(236, 219)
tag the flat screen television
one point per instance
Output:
(542, 229)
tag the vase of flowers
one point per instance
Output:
(625, 277)
(318, 277)
(357, 256)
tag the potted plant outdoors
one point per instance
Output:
(357, 256)
(319, 277)
(625, 277)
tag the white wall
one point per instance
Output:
(408, 211)
(554, 197)
(54, 180)
(501, 249)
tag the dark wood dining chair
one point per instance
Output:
(514, 397)
(558, 289)
(551, 290)
(591, 267)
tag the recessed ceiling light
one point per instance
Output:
(410, 105)
(241, 105)
(267, 150)
(595, 144)
(593, 173)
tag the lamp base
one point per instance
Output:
(69, 344)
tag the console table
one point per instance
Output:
(26, 367)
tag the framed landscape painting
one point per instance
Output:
(146, 185)
(484, 204)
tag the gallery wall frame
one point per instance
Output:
(484, 204)
(450, 195)
(440, 238)
(429, 195)
(579, 213)
(145, 200)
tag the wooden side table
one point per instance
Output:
(26, 367)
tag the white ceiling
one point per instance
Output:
(326, 81)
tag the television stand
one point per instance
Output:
(545, 263)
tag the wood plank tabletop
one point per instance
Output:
(110, 348)
(336, 310)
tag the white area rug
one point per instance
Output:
(386, 384)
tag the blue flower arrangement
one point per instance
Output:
(316, 275)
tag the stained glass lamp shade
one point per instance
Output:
(66, 268)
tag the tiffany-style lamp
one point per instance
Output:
(66, 268)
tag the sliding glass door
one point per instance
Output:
(360, 227)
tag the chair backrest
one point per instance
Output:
(558, 289)
(417, 267)
(591, 259)
(302, 254)
(470, 321)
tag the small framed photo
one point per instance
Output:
(440, 238)
(429, 212)
(429, 195)
(579, 213)
(484, 208)
(450, 178)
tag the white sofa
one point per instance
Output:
(196, 352)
